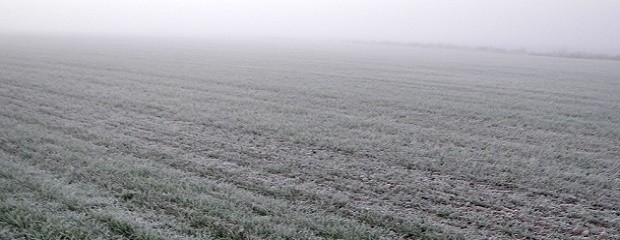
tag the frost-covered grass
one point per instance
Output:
(193, 140)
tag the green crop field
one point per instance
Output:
(212, 139)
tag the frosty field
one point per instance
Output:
(187, 139)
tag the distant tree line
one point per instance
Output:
(559, 53)
(568, 54)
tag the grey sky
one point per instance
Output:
(579, 25)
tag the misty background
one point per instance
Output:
(591, 26)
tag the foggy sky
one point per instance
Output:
(576, 25)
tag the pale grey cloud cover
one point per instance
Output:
(592, 26)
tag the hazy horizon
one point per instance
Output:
(579, 26)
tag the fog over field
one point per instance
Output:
(278, 120)
(543, 26)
